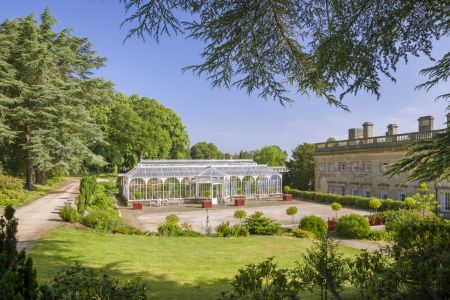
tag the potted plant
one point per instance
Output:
(207, 203)
(374, 219)
(239, 201)
(286, 195)
(137, 205)
(331, 224)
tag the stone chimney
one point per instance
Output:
(367, 130)
(392, 129)
(448, 120)
(426, 123)
(355, 133)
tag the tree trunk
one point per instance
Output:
(41, 177)
(28, 172)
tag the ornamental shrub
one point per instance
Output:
(353, 227)
(78, 282)
(170, 229)
(300, 233)
(375, 203)
(379, 235)
(314, 224)
(346, 200)
(69, 214)
(102, 220)
(224, 230)
(88, 186)
(286, 189)
(259, 224)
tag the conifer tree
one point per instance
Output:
(45, 94)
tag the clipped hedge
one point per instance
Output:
(313, 224)
(346, 200)
(353, 226)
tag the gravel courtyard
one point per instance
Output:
(150, 217)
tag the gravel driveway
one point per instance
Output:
(41, 215)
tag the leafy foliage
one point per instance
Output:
(314, 224)
(46, 74)
(17, 275)
(325, 268)
(261, 281)
(291, 211)
(204, 150)
(69, 214)
(353, 226)
(78, 282)
(171, 227)
(321, 47)
(300, 233)
(259, 224)
(301, 167)
(226, 230)
(426, 160)
(375, 203)
(335, 206)
(271, 156)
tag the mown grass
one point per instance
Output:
(173, 268)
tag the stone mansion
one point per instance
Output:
(355, 166)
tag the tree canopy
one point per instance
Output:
(45, 91)
(271, 156)
(301, 167)
(205, 150)
(320, 47)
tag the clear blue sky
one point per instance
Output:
(231, 119)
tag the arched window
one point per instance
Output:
(248, 185)
(172, 189)
(235, 185)
(154, 188)
(137, 189)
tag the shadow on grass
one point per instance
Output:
(52, 257)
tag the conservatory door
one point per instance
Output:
(217, 193)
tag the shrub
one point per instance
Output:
(291, 211)
(239, 230)
(102, 220)
(224, 230)
(286, 189)
(346, 200)
(394, 219)
(379, 235)
(170, 229)
(10, 183)
(314, 224)
(88, 187)
(300, 233)
(127, 229)
(240, 215)
(336, 207)
(257, 223)
(69, 214)
(375, 203)
(78, 282)
(353, 226)
(172, 218)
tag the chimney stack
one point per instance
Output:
(367, 130)
(355, 133)
(392, 129)
(426, 123)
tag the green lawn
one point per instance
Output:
(174, 268)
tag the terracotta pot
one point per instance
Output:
(137, 206)
(287, 197)
(239, 202)
(331, 224)
(206, 204)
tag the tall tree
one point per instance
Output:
(204, 150)
(47, 88)
(301, 167)
(271, 156)
(322, 47)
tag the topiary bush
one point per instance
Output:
(300, 233)
(259, 224)
(224, 230)
(69, 214)
(314, 224)
(352, 226)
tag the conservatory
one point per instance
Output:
(177, 181)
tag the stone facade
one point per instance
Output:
(356, 166)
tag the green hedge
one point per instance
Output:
(347, 200)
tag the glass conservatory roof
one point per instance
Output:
(199, 168)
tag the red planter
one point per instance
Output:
(137, 206)
(239, 202)
(287, 197)
(375, 222)
(331, 224)
(207, 204)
